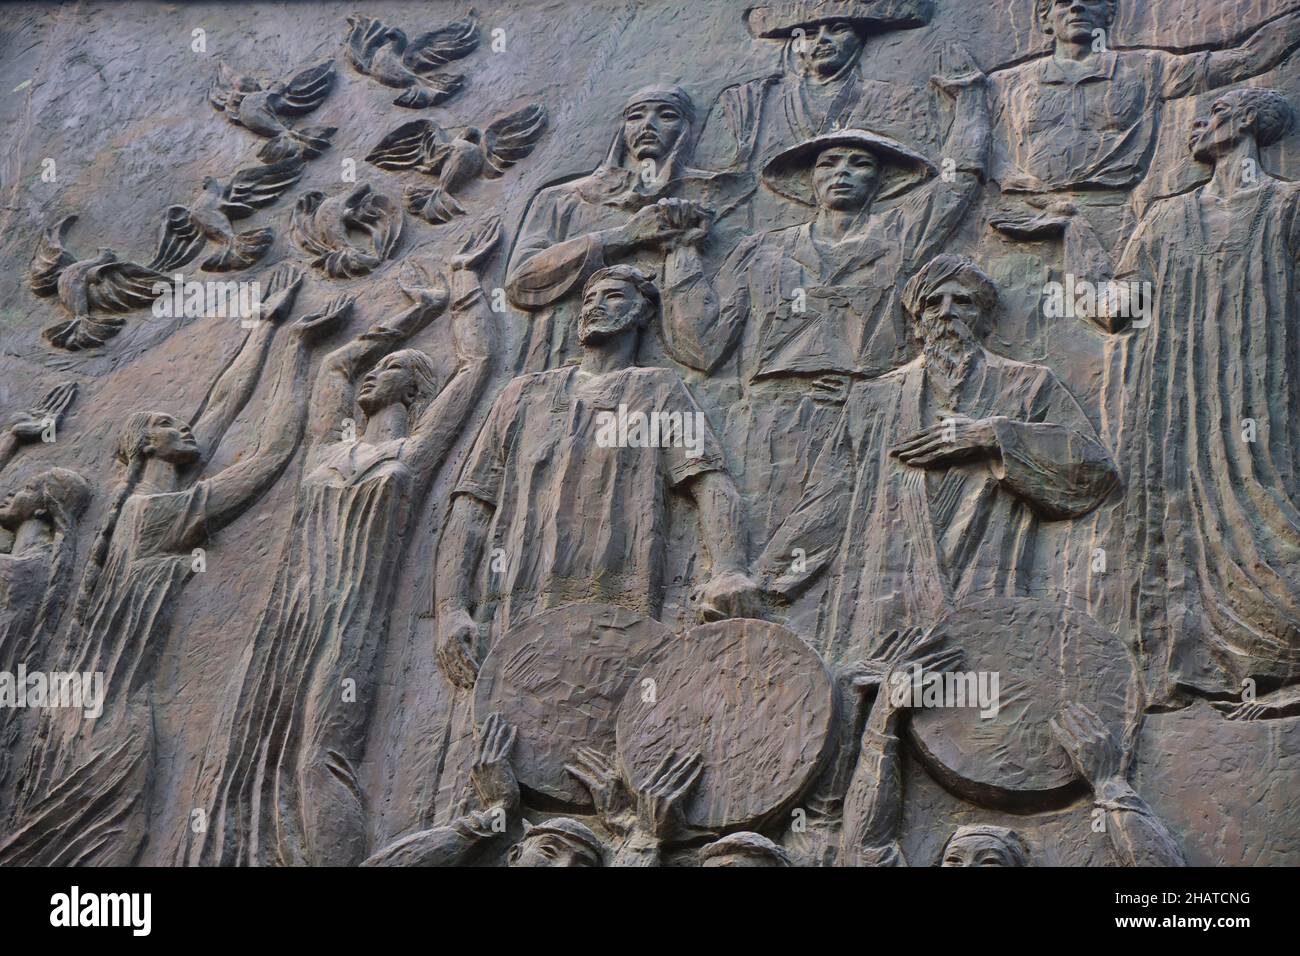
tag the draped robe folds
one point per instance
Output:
(1211, 521)
(572, 521)
(851, 325)
(83, 799)
(284, 759)
(24, 579)
(904, 545)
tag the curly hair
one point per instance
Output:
(1273, 114)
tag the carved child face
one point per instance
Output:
(845, 177)
(171, 440)
(20, 505)
(1075, 20)
(610, 308)
(1223, 129)
(389, 382)
(979, 849)
(828, 47)
(650, 130)
(548, 849)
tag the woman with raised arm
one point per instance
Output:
(85, 789)
(279, 780)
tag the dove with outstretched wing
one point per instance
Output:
(323, 226)
(457, 162)
(263, 109)
(384, 53)
(102, 284)
(217, 205)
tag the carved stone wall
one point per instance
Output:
(337, 558)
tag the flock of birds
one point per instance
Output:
(97, 291)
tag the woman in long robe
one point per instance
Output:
(84, 798)
(280, 774)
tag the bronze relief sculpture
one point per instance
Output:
(755, 504)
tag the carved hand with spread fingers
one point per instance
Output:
(609, 793)
(492, 776)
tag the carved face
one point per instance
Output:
(651, 130)
(20, 505)
(829, 47)
(389, 382)
(171, 440)
(1223, 129)
(1074, 20)
(978, 849)
(845, 177)
(549, 849)
(950, 309)
(610, 308)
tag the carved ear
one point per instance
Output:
(1250, 119)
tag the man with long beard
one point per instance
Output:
(936, 478)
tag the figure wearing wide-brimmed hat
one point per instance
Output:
(809, 308)
(820, 86)
(644, 205)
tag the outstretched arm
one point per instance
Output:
(233, 489)
(936, 209)
(32, 425)
(1135, 831)
(332, 397)
(873, 806)
(474, 337)
(1265, 49)
(455, 843)
(235, 386)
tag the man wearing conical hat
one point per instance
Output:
(809, 308)
(820, 86)
(644, 206)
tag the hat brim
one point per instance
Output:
(778, 21)
(787, 173)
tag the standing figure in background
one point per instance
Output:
(42, 516)
(644, 206)
(810, 308)
(1076, 128)
(938, 474)
(1205, 417)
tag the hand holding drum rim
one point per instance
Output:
(1090, 745)
(659, 804)
(600, 775)
(899, 652)
(730, 594)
